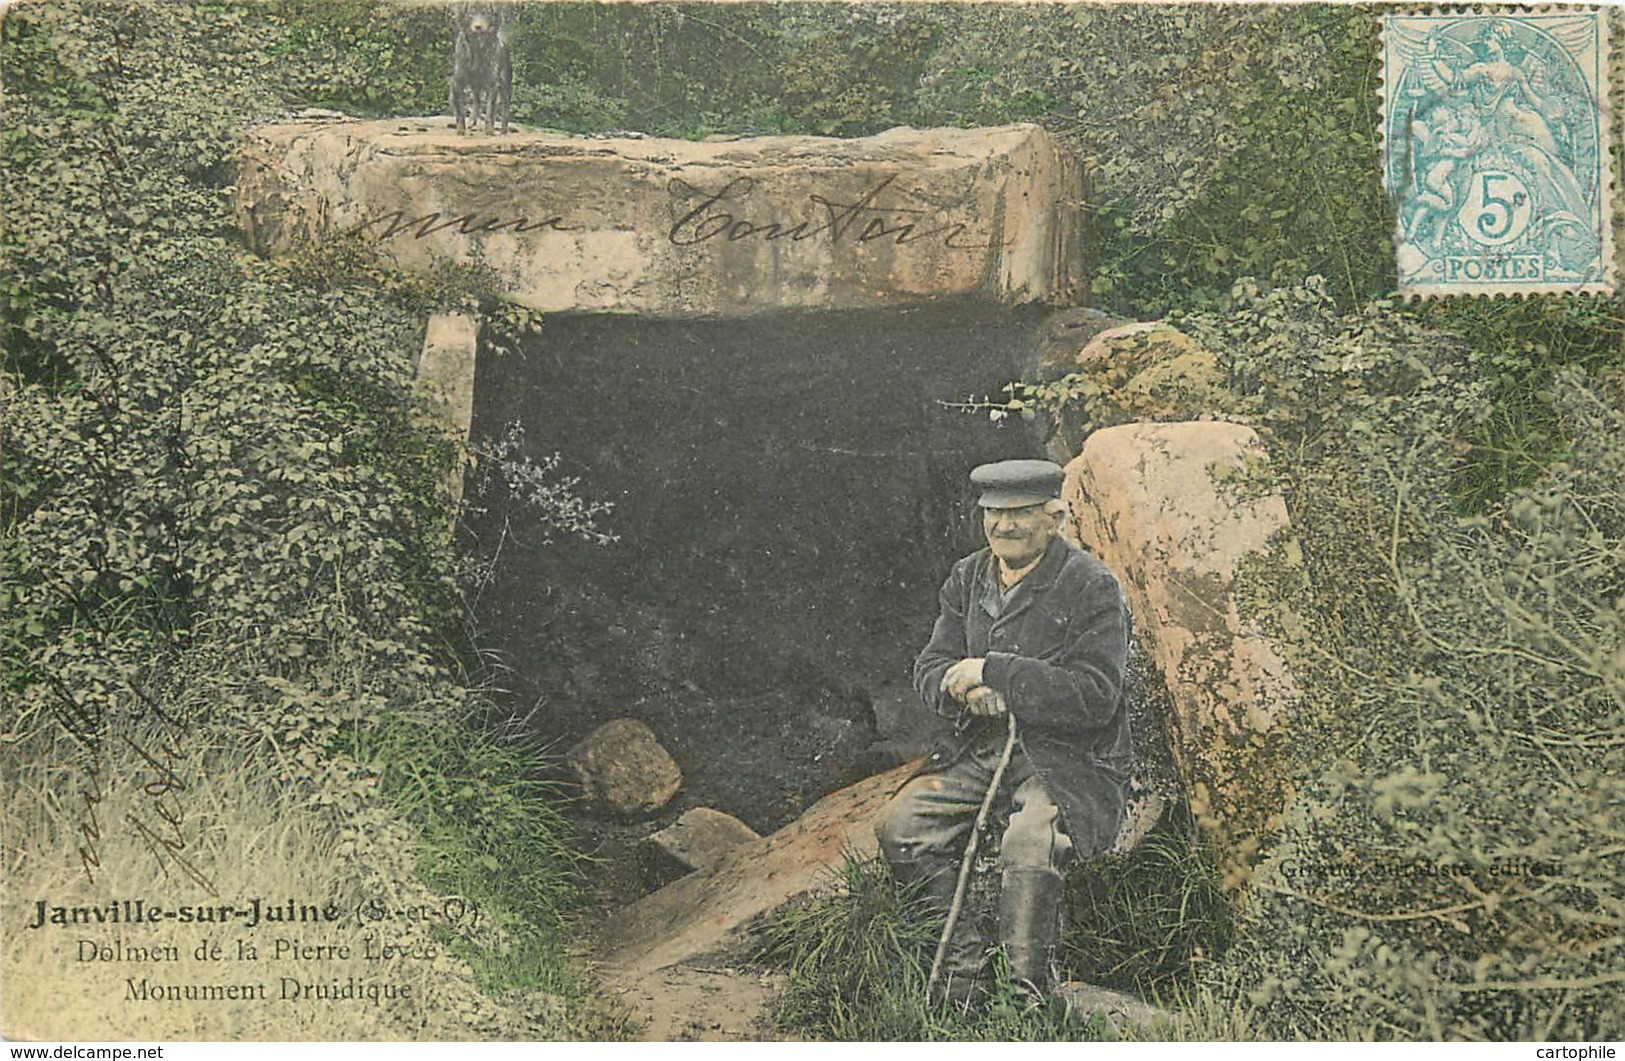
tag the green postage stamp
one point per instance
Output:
(1495, 129)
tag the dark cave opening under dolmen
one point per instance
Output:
(788, 493)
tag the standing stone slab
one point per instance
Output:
(1173, 509)
(446, 367)
(446, 374)
(673, 228)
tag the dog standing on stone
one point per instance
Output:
(481, 69)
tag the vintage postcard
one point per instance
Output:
(811, 521)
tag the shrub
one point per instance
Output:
(362, 57)
(490, 832)
(223, 515)
(1446, 871)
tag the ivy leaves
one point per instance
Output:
(196, 445)
(1462, 710)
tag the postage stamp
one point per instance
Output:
(1495, 151)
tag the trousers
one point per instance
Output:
(930, 818)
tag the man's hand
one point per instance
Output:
(962, 677)
(985, 701)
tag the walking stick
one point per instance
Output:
(969, 860)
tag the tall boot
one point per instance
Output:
(1030, 926)
(962, 981)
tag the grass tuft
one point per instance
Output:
(491, 832)
(1147, 922)
(858, 955)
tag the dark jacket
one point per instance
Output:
(1056, 653)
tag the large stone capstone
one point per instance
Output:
(1174, 509)
(673, 228)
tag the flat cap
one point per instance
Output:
(1017, 484)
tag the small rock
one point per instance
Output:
(1121, 1011)
(1142, 816)
(696, 841)
(622, 767)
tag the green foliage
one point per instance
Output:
(696, 69)
(593, 68)
(1300, 196)
(200, 446)
(490, 832)
(113, 268)
(224, 502)
(364, 57)
(854, 77)
(858, 956)
(1447, 869)
(1150, 921)
(1519, 345)
(1222, 140)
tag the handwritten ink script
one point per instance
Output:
(865, 218)
(395, 222)
(707, 215)
(85, 718)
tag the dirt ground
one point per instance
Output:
(710, 1004)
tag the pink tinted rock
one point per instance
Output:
(1173, 509)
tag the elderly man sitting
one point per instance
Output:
(1035, 628)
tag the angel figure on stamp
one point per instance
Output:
(1444, 139)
